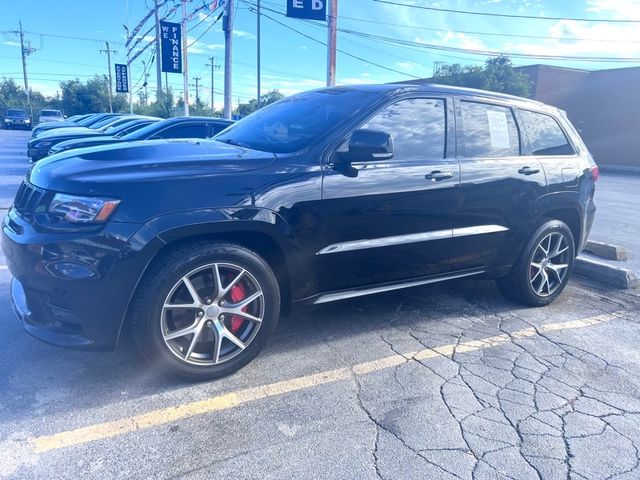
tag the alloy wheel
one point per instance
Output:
(212, 314)
(549, 264)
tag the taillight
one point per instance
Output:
(595, 173)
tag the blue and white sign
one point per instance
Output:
(171, 43)
(122, 78)
(308, 9)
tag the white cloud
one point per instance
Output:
(11, 43)
(243, 34)
(203, 47)
(407, 65)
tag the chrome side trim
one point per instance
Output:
(478, 230)
(332, 297)
(385, 241)
(410, 238)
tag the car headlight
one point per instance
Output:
(76, 209)
(7, 120)
(44, 144)
(27, 121)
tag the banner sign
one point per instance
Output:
(122, 78)
(171, 42)
(308, 9)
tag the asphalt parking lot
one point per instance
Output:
(438, 382)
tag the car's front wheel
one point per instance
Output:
(543, 269)
(205, 310)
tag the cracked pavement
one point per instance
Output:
(471, 386)
(449, 381)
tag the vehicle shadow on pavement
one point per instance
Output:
(39, 379)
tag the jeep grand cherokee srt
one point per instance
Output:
(199, 245)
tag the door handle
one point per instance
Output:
(437, 175)
(528, 171)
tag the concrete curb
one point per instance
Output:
(600, 272)
(606, 250)
(622, 169)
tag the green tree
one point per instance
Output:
(497, 75)
(245, 109)
(91, 96)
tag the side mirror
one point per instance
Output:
(368, 146)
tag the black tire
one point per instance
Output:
(517, 285)
(147, 307)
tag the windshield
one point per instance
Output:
(16, 113)
(126, 127)
(295, 122)
(145, 132)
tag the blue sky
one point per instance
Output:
(292, 62)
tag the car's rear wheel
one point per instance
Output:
(542, 271)
(205, 310)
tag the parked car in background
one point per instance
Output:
(198, 246)
(49, 115)
(87, 121)
(17, 118)
(38, 148)
(179, 127)
(111, 135)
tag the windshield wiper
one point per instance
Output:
(231, 141)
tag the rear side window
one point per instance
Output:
(545, 135)
(194, 130)
(417, 126)
(488, 131)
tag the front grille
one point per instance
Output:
(29, 200)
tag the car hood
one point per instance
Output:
(56, 132)
(92, 141)
(109, 169)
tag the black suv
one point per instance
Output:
(17, 118)
(197, 247)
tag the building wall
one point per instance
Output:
(603, 105)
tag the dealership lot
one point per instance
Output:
(448, 381)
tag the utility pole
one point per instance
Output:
(158, 56)
(331, 42)
(227, 26)
(214, 67)
(26, 51)
(146, 82)
(185, 69)
(197, 85)
(126, 27)
(108, 52)
(258, 51)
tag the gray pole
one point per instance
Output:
(108, 50)
(24, 69)
(258, 51)
(228, 55)
(185, 68)
(331, 42)
(158, 57)
(213, 67)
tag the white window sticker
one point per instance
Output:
(498, 129)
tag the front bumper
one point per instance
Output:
(72, 289)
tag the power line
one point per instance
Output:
(208, 28)
(505, 15)
(339, 50)
(488, 53)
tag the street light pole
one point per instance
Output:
(228, 57)
(331, 42)
(185, 68)
(258, 51)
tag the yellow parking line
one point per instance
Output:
(230, 400)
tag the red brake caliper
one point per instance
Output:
(237, 294)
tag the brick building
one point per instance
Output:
(604, 105)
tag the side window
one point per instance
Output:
(184, 131)
(488, 131)
(545, 135)
(216, 129)
(417, 126)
